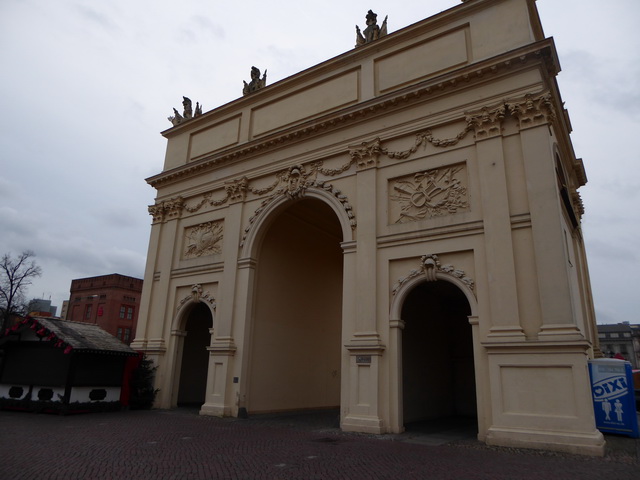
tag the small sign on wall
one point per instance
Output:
(363, 359)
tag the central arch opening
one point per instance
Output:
(438, 375)
(297, 321)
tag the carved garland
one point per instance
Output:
(197, 296)
(429, 267)
(532, 109)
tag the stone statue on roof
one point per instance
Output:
(187, 113)
(256, 82)
(373, 31)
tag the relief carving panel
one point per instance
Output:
(431, 193)
(203, 239)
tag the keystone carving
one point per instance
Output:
(430, 266)
(295, 183)
(197, 296)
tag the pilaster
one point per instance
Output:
(498, 240)
(535, 114)
(223, 348)
(364, 344)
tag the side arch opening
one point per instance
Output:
(195, 356)
(438, 374)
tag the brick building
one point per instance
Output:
(110, 301)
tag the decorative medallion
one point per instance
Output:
(428, 194)
(203, 239)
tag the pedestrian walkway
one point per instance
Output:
(179, 444)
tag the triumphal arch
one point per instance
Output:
(394, 232)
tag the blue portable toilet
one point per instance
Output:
(613, 396)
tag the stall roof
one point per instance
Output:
(72, 336)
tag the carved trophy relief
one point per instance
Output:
(431, 193)
(203, 239)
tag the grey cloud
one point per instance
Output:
(597, 75)
(203, 23)
(120, 217)
(96, 17)
(16, 230)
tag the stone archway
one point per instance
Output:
(295, 348)
(194, 362)
(438, 375)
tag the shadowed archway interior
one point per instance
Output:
(195, 356)
(437, 354)
(296, 338)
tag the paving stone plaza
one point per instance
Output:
(179, 444)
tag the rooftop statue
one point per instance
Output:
(256, 82)
(373, 31)
(187, 113)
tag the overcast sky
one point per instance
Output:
(86, 86)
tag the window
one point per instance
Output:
(614, 335)
(129, 313)
(87, 312)
(122, 310)
(100, 309)
(124, 334)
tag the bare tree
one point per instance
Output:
(16, 274)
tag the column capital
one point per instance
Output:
(533, 109)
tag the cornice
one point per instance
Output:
(427, 26)
(464, 77)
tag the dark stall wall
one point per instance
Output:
(34, 365)
(98, 369)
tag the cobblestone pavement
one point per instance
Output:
(179, 444)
